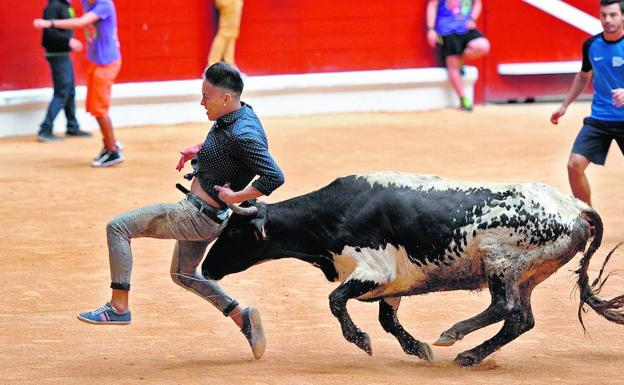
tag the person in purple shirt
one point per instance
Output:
(451, 25)
(104, 55)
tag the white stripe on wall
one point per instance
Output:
(569, 14)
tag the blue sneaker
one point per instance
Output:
(105, 315)
(252, 329)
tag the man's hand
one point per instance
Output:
(554, 118)
(42, 24)
(617, 97)
(187, 154)
(471, 24)
(432, 38)
(75, 45)
(226, 194)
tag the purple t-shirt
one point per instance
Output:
(453, 16)
(102, 41)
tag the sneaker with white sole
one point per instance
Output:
(252, 329)
(110, 158)
(106, 315)
(104, 150)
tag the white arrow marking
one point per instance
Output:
(569, 14)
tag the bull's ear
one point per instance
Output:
(259, 222)
(259, 228)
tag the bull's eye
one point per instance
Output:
(240, 234)
(235, 233)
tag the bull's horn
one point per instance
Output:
(246, 211)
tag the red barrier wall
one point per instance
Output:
(531, 35)
(167, 40)
(164, 40)
(160, 40)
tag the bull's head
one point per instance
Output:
(241, 244)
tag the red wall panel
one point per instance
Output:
(531, 35)
(331, 35)
(166, 40)
(160, 40)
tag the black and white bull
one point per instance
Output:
(387, 234)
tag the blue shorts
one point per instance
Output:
(595, 138)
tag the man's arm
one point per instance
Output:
(79, 22)
(254, 155)
(475, 12)
(580, 82)
(432, 14)
(227, 195)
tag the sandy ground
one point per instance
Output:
(53, 261)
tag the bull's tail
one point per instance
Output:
(610, 309)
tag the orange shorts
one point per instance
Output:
(100, 79)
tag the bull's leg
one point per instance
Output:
(351, 288)
(518, 320)
(388, 319)
(494, 313)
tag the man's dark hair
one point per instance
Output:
(609, 2)
(225, 76)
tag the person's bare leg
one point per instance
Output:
(476, 48)
(106, 127)
(453, 67)
(228, 54)
(217, 48)
(236, 315)
(119, 300)
(579, 184)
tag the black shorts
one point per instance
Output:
(455, 44)
(594, 139)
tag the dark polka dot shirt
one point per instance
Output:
(235, 151)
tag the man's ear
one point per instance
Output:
(227, 98)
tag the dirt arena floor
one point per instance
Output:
(54, 263)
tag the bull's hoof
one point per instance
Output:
(418, 349)
(467, 359)
(425, 352)
(363, 342)
(445, 340)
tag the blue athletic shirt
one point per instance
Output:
(452, 16)
(606, 59)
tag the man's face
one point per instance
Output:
(214, 100)
(611, 18)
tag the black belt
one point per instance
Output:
(216, 214)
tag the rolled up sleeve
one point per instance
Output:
(254, 153)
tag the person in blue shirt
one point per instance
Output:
(603, 60)
(234, 152)
(452, 27)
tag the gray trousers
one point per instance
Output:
(181, 221)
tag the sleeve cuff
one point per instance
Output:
(260, 187)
